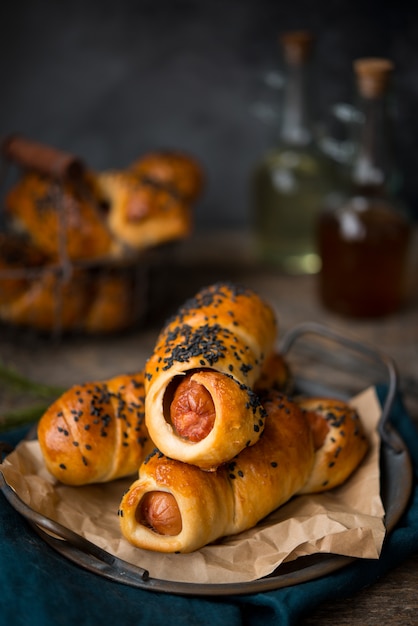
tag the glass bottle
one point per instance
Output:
(292, 179)
(364, 242)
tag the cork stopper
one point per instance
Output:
(297, 46)
(373, 75)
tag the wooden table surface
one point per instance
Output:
(178, 274)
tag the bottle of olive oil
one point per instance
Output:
(293, 179)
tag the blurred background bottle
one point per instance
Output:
(291, 181)
(363, 243)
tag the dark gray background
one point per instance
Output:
(111, 80)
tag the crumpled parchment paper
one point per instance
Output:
(348, 520)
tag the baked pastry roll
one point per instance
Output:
(96, 432)
(50, 302)
(175, 170)
(115, 300)
(141, 214)
(275, 375)
(62, 217)
(200, 403)
(20, 263)
(306, 447)
(339, 440)
(176, 507)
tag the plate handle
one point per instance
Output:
(387, 434)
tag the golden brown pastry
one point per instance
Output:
(275, 374)
(176, 170)
(51, 302)
(95, 300)
(176, 507)
(115, 302)
(96, 432)
(340, 442)
(141, 214)
(20, 263)
(200, 403)
(62, 217)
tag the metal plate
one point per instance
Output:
(396, 487)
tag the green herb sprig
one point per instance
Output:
(37, 397)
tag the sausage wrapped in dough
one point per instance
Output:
(305, 448)
(96, 432)
(339, 439)
(200, 404)
(177, 507)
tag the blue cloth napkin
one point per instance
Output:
(39, 587)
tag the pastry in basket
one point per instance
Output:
(177, 507)
(50, 302)
(115, 301)
(141, 214)
(200, 404)
(63, 218)
(96, 432)
(176, 170)
(20, 263)
(36, 295)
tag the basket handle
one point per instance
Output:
(41, 158)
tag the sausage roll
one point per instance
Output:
(141, 214)
(177, 507)
(61, 217)
(307, 447)
(115, 301)
(275, 374)
(96, 432)
(50, 302)
(340, 442)
(20, 262)
(200, 403)
(176, 170)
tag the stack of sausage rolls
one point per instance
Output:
(210, 424)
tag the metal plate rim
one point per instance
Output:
(398, 472)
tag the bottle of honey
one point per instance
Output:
(363, 243)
